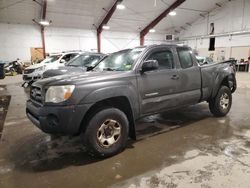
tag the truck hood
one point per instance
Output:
(35, 66)
(82, 78)
(63, 70)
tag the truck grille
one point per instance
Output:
(25, 77)
(36, 94)
(28, 71)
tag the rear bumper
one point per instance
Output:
(65, 120)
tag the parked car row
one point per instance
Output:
(61, 63)
(83, 62)
(34, 72)
(71, 63)
(102, 105)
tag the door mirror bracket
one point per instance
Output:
(149, 65)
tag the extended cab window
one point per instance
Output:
(185, 57)
(164, 58)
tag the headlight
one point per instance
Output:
(56, 94)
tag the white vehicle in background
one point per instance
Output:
(35, 72)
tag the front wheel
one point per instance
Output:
(106, 133)
(220, 105)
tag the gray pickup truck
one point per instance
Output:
(102, 106)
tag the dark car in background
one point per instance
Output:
(81, 63)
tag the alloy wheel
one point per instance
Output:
(109, 133)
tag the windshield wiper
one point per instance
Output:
(72, 65)
(89, 68)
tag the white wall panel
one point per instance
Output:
(16, 40)
(234, 16)
(64, 39)
(69, 39)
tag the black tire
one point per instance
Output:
(92, 136)
(215, 105)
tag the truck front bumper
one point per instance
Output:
(64, 120)
(28, 78)
(34, 76)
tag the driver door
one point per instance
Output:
(158, 88)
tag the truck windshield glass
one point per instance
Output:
(119, 61)
(84, 61)
(52, 59)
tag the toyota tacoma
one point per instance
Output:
(102, 106)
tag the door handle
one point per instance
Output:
(175, 77)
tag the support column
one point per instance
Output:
(104, 22)
(151, 25)
(43, 41)
(142, 39)
(98, 41)
(44, 11)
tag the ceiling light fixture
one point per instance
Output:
(172, 13)
(44, 22)
(120, 6)
(152, 31)
(105, 27)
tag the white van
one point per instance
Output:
(35, 72)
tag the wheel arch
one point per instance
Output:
(227, 80)
(120, 102)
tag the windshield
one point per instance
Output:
(84, 60)
(51, 59)
(119, 61)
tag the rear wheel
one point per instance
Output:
(220, 105)
(106, 133)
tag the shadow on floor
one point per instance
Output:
(41, 152)
(4, 105)
(164, 122)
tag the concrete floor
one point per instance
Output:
(186, 148)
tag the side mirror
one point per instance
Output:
(149, 65)
(62, 61)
